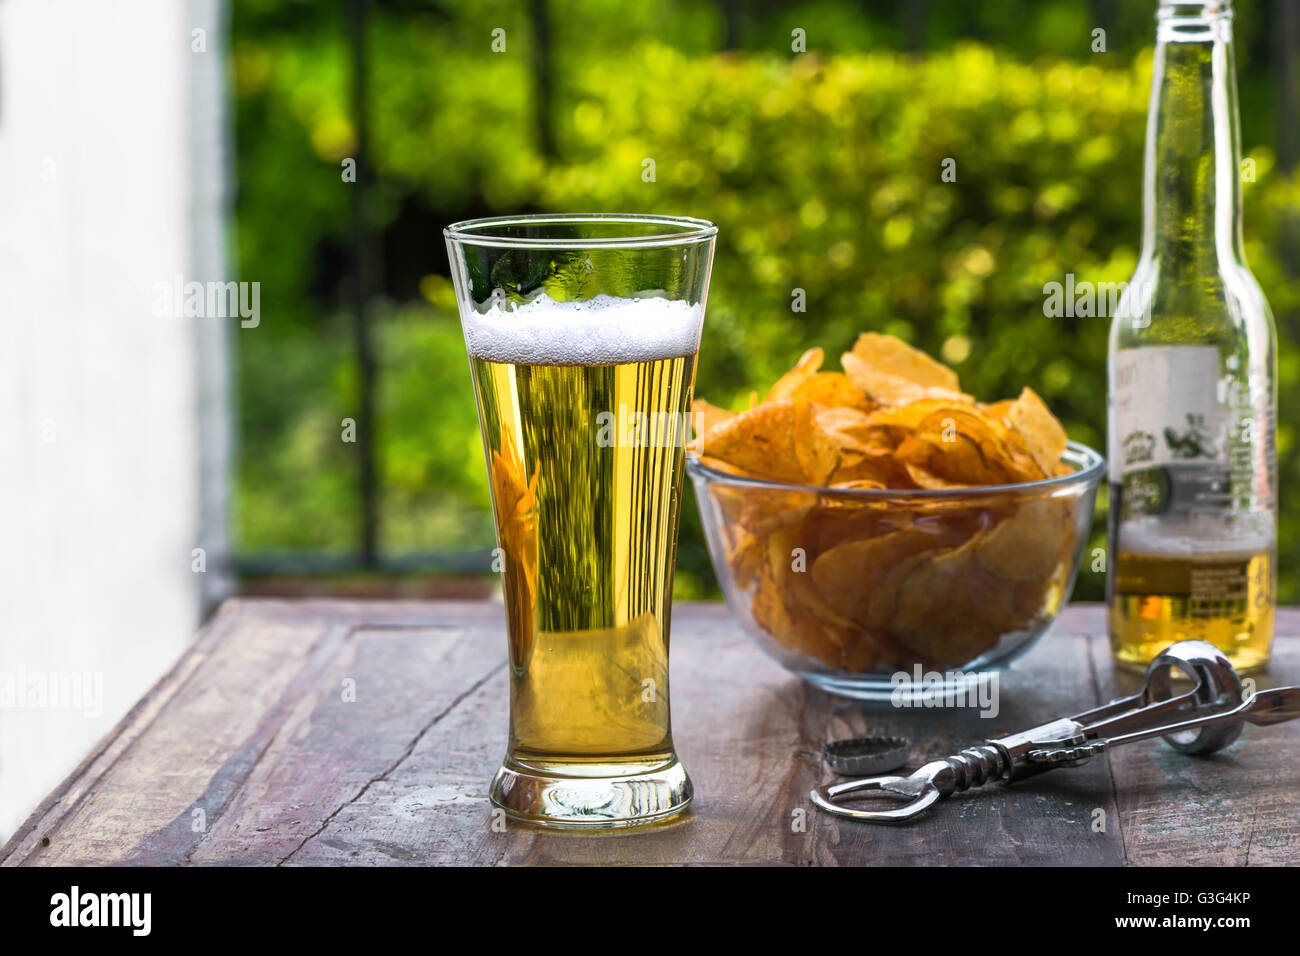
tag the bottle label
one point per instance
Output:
(1182, 577)
(1222, 586)
(1167, 409)
(1167, 441)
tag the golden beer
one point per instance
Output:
(1226, 599)
(586, 471)
(582, 332)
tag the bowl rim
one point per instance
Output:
(1090, 462)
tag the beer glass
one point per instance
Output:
(582, 332)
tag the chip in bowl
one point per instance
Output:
(872, 518)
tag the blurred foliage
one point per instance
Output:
(822, 171)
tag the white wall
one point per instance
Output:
(111, 180)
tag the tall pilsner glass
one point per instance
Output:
(582, 333)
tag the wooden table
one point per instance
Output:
(248, 753)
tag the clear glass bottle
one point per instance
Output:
(1193, 367)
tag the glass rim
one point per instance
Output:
(1090, 461)
(1190, 12)
(685, 230)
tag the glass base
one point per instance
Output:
(620, 796)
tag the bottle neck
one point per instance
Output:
(1191, 202)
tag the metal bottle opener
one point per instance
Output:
(1207, 718)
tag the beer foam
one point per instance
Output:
(1156, 536)
(603, 330)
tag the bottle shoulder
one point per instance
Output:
(1224, 307)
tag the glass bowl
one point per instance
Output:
(882, 594)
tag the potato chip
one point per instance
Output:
(846, 574)
(755, 509)
(958, 462)
(854, 430)
(907, 418)
(789, 617)
(949, 610)
(730, 499)
(854, 423)
(1021, 464)
(705, 417)
(891, 372)
(717, 464)
(1043, 434)
(815, 639)
(860, 652)
(831, 523)
(816, 449)
(1032, 542)
(514, 491)
(746, 556)
(833, 390)
(769, 610)
(960, 446)
(780, 554)
(1035, 599)
(881, 467)
(761, 441)
(865, 450)
(924, 478)
(766, 512)
(1026, 468)
(852, 586)
(883, 600)
(803, 370)
(824, 633)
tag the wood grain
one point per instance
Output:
(250, 752)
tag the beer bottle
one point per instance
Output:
(1192, 368)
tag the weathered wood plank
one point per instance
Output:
(1232, 808)
(335, 732)
(1046, 820)
(195, 738)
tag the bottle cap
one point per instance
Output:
(863, 756)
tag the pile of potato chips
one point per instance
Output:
(863, 582)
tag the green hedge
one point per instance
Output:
(823, 174)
